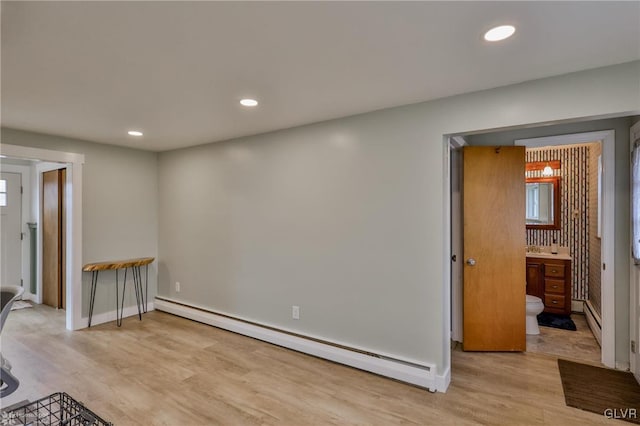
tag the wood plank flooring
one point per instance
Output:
(168, 370)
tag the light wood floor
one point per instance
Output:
(579, 345)
(167, 370)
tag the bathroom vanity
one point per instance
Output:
(549, 278)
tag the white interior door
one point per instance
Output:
(635, 267)
(11, 228)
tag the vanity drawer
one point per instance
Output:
(555, 301)
(553, 270)
(554, 286)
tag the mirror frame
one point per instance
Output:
(555, 180)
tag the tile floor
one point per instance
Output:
(579, 345)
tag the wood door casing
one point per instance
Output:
(494, 236)
(53, 271)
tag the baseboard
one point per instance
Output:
(593, 321)
(577, 306)
(29, 296)
(128, 311)
(423, 376)
(623, 366)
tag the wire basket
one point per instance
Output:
(53, 410)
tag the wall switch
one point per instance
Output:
(177, 287)
(295, 312)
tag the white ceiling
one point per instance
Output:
(176, 70)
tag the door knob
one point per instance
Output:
(471, 261)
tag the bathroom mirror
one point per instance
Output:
(543, 202)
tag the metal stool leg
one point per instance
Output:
(92, 298)
(146, 287)
(124, 288)
(138, 290)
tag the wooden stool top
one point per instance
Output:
(117, 264)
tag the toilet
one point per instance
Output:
(534, 307)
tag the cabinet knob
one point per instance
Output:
(555, 302)
(471, 261)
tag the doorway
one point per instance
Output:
(604, 326)
(73, 163)
(607, 250)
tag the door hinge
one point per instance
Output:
(21, 236)
(454, 258)
(21, 282)
(604, 266)
(21, 190)
(633, 346)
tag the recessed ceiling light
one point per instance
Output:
(248, 102)
(499, 33)
(134, 133)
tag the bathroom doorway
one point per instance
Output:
(585, 235)
(571, 133)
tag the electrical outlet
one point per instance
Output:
(177, 287)
(295, 312)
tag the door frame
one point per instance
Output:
(608, 139)
(25, 216)
(455, 144)
(73, 224)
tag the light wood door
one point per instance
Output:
(53, 259)
(494, 249)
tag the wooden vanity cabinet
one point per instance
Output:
(550, 280)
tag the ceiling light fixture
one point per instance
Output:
(499, 33)
(134, 133)
(248, 102)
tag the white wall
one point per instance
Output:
(120, 207)
(345, 218)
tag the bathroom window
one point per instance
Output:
(533, 203)
(635, 196)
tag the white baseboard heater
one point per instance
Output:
(594, 321)
(417, 374)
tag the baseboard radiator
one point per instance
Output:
(417, 374)
(594, 321)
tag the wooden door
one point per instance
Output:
(494, 249)
(53, 238)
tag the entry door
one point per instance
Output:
(53, 238)
(635, 226)
(494, 248)
(11, 228)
